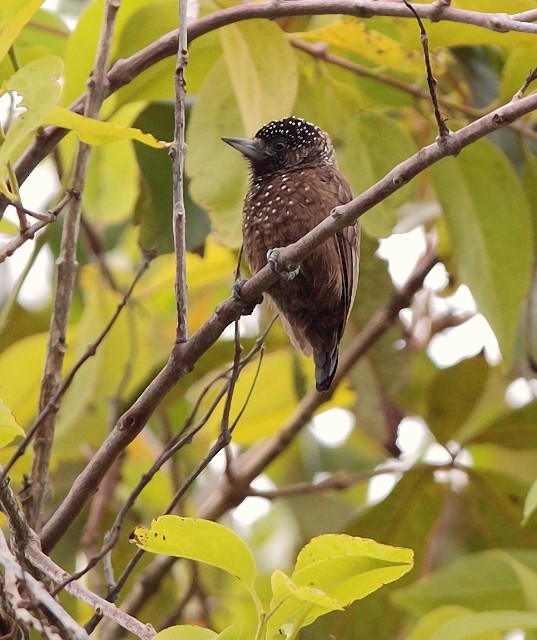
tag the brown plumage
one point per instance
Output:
(295, 184)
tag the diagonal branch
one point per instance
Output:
(185, 355)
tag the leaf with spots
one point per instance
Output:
(201, 540)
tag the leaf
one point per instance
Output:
(186, 632)
(354, 36)
(98, 132)
(262, 69)
(283, 587)
(349, 568)
(488, 219)
(20, 389)
(482, 581)
(220, 192)
(435, 619)
(516, 429)
(453, 395)
(44, 34)
(113, 179)
(154, 211)
(491, 621)
(201, 540)
(530, 504)
(363, 165)
(9, 428)
(39, 84)
(14, 15)
(265, 412)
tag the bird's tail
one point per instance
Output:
(325, 367)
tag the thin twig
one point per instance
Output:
(12, 245)
(443, 131)
(532, 75)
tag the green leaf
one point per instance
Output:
(9, 428)
(516, 429)
(283, 587)
(531, 503)
(98, 132)
(262, 69)
(349, 568)
(472, 625)
(482, 581)
(453, 395)
(221, 192)
(201, 540)
(39, 84)
(154, 210)
(488, 218)
(435, 619)
(363, 165)
(186, 632)
(14, 15)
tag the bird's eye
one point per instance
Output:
(279, 145)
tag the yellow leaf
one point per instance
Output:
(98, 132)
(9, 428)
(353, 35)
(14, 14)
(273, 398)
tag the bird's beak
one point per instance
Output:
(247, 146)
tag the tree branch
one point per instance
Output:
(177, 153)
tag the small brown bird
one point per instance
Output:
(295, 184)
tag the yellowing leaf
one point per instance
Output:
(265, 412)
(191, 632)
(262, 69)
(201, 540)
(14, 14)
(353, 35)
(332, 571)
(218, 174)
(186, 632)
(349, 568)
(39, 85)
(9, 428)
(98, 132)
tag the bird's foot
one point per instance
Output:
(272, 258)
(246, 308)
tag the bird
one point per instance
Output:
(295, 183)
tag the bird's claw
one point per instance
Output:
(272, 259)
(246, 308)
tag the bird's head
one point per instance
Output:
(285, 145)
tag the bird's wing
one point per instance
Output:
(348, 245)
